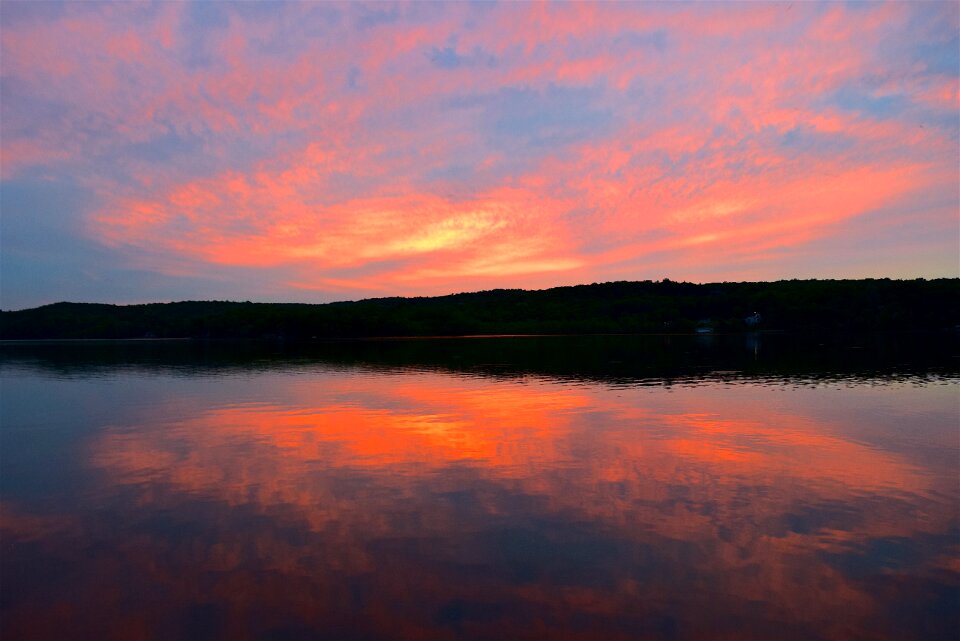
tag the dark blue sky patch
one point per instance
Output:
(657, 40)
(199, 24)
(449, 57)
(552, 117)
(354, 78)
(861, 99)
(39, 213)
(167, 147)
(25, 114)
(208, 15)
(378, 14)
(802, 141)
(15, 13)
(446, 58)
(940, 57)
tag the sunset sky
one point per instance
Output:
(319, 151)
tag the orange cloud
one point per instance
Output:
(527, 145)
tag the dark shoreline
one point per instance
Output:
(621, 308)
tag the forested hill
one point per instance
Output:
(620, 307)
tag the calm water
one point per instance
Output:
(598, 488)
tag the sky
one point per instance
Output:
(310, 152)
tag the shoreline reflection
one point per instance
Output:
(363, 504)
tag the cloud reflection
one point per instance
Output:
(443, 506)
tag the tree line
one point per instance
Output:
(616, 307)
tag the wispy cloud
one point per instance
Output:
(343, 149)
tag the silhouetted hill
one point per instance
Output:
(619, 307)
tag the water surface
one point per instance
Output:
(631, 487)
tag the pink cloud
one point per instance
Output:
(553, 141)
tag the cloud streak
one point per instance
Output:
(341, 150)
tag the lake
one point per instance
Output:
(663, 487)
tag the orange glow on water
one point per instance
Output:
(398, 483)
